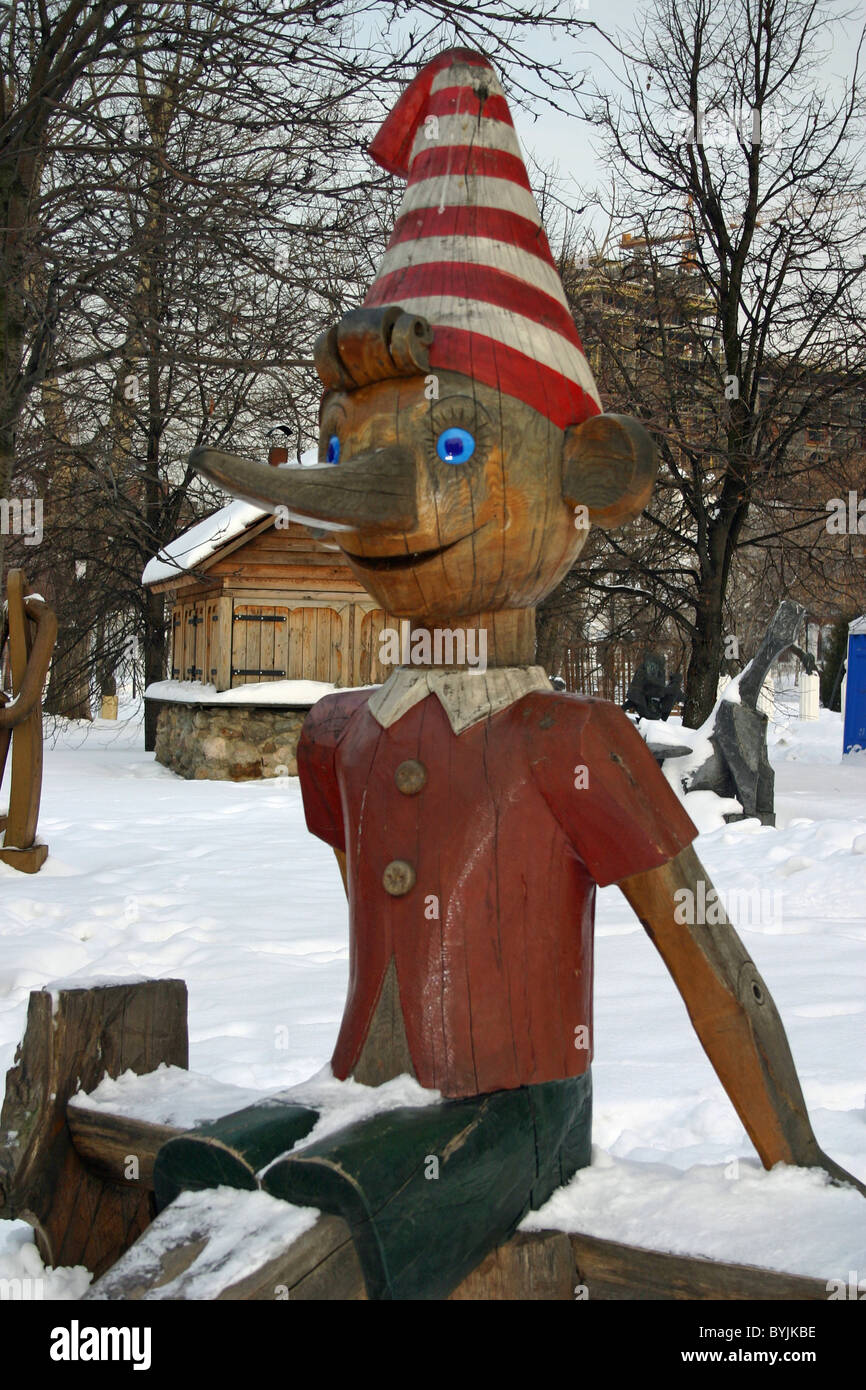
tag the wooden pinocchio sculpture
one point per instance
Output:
(31, 631)
(474, 811)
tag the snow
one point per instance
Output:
(237, 1226)
(172, 1096)
(705, 1210)
(200, 541)
(220, 884)
(299, 693)
(20, 1261)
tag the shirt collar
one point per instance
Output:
(465, 696)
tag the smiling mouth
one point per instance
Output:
(403, 562)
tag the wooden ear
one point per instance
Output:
(608, 466)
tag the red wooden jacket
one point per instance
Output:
(520, 816)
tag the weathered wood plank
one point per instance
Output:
(320, 1264)
(106, 1142)
(223, 677)
(610, 1270)
(538, 1266)
(532, 1267)
(73, 1038)
(296, 644)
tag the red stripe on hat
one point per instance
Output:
(392, 145)
(513, 373)
(467, 281)
(494, 223)
(468, 159)
(463, 101)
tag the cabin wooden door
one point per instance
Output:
(260, 643)
(315, 642)
(177, 642)
(211, 641)
(193, 641)
(369, 667)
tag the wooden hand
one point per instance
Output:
(733, 1015)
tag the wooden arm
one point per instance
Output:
(733, 1015)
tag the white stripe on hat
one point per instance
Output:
(467, 75)
(472, 190)
(511, 329)
(498, 255)
(466, 129)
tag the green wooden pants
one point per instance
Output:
(426, 1191)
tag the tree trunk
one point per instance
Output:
(69, 685)
(705, 662)
(154, 660)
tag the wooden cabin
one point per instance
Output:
(254, 600)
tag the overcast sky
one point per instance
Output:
(552, 138)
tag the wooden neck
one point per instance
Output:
(502, 638)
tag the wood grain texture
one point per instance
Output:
(609, 1270)
(32, 627)
(538, 1266)
(73, 1039)
(733, 1014)
(105, 1142)
(532, 1268)
(320, 1265)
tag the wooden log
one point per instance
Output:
(609, 1270)
(74, 1038)
(534, 1266)
(104, 1141)
(320, 1264)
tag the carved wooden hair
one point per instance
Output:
(370, 345)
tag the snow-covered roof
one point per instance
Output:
(201, 541)
(858, 625)
(288, 692)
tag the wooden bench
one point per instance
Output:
(67, 1169)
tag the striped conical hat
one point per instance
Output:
(468, 251)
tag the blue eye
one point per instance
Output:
(455, 446)
(333, 454)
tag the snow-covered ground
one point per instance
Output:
(221, 884)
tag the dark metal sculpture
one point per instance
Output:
(738, 766)
(650, 694)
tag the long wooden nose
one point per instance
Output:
(374, 491)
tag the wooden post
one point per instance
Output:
(74, 1038)
(29, 658)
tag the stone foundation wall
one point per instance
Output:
(228, 743)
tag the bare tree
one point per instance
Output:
(732, 322)
(196, 204)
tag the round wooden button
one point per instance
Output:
(398, 878)
(410, 777)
